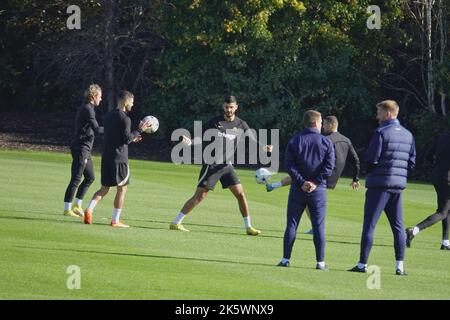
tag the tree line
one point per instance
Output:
(278, 57)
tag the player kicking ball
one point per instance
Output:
(342, 147)
(115, 171)
(210, 174)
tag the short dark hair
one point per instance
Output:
(332, 120)
(124, 95)
(310, 117)
(230, 99)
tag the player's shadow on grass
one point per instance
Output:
(305, 238)
(240, 228)
(199, 224)
(68, 220)
(154, 256)
(40, 219)
(309, 238)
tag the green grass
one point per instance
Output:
(215, 260)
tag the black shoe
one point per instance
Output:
(399, 272)
(323, 268)
(445, 247)
(357, 269)
(283, 264)
(409, 236)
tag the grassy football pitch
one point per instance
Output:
(216, 260)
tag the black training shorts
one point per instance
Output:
(115, 174)
(211, 174)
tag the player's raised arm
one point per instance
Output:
(249, 132)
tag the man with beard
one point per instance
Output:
(227, 127)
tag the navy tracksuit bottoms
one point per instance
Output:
(378, 200)
(317, 204)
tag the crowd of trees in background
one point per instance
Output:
(279, 57)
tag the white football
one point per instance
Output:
(153, 121)
(262, 175)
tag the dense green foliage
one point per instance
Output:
(279, 57)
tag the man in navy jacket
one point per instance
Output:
(309, 160)
(390, 155)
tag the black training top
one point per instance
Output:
(439, 153)
(229, 132)
(86, 126)
(117, 136)
(342, 146)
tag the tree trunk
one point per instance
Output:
(109, 55)
(430, 71)
(442, 45)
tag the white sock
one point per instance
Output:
(416, 230)
(362, 265)
(284, 260)
(247, 222)
(446, 243)
(78, 202)
(276, 185)
(92, 205)
(179, 218)
(399, 265)
(67, 206)
(116, 215)
(321, 263)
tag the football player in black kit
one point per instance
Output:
(440, 155)
(228, 126)
(86, 126)
(342, 147)
(115, 171)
